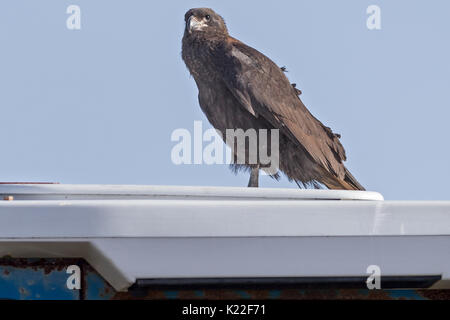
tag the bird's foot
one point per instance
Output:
(254, 178)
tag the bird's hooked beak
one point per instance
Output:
(193, 24)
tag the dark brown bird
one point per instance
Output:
(240, 88)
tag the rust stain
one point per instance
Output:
(47, 265)
(435, 294)
(149, 295)
(289, 294)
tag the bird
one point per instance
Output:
(241, 88)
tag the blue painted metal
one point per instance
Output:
(243, 294)
(96, 288)
(274, 294)
(37, 279)
(405, 294)
(34, 283)
(171, 294)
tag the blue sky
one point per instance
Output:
(98, 105)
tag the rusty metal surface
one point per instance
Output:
(47, 265)
(46, 279)
(35, 279)
(335, 294)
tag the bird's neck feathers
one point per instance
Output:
(206, 37)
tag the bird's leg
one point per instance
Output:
(254, 177)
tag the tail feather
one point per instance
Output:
(349, 182)
(349, 178)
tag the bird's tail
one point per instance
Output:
(349, 182)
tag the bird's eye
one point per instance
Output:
(208, 17)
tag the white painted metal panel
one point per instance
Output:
(182, 233)
(219, 218)
(89, 192)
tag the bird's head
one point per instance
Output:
(201, 20)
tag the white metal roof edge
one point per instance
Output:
(221, 218)
(49, 191)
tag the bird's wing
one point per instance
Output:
(263, 89)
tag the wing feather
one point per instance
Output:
(263, 89)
